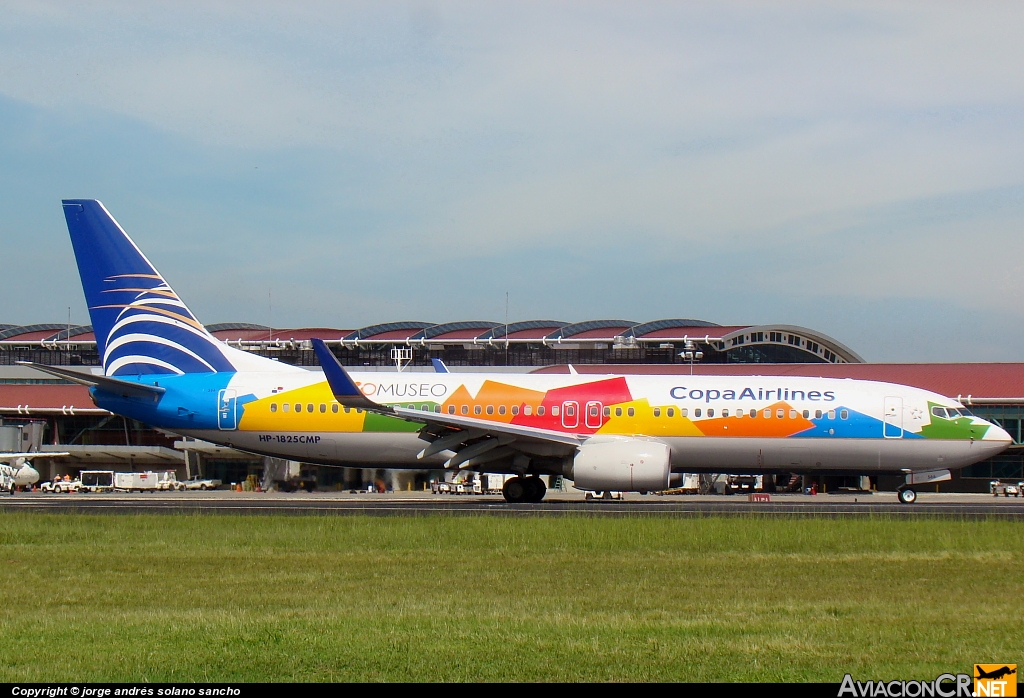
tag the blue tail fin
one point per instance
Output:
(141, 325)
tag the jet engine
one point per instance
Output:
(629, 465)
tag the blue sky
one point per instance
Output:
(856, 168)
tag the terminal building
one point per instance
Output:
(50, 414)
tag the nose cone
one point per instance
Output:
(26, 475)
(997, 434)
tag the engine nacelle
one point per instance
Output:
(628, 465)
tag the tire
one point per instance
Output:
(202, 486)
(515, 490)
(907, 496)
(535, 490)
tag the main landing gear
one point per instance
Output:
(906, 495)
(519, 490)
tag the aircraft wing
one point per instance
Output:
(475, 441)
(31, 455)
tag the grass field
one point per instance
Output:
(225, 598)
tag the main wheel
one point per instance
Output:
(516, 490)
(536, 489)
(907, 496)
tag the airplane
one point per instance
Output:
(16, 471)
(605, 433)
(995, 674)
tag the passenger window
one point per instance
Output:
(540, 411)
(554, 411)
(437, 408)
(425, 408)
(711, 412)
(347, 410)
(831, 414)
(753, 413)
(725, 413)
(631, 412)
(768, 414)
(792, 414)
(607, 411)
(298, 407)
(477, 409)
(844, 414)
(683, 411)
(817, 414)
(323, 408)
(284, 407)
(501, 409)
(273, 407)
(696, 412)
(807, 413)
(515, 409)
(465, 409)
(451, 409)
(657, 411)
(594, 411)
(527, 410)
(671, 412)
(334, 408)
(490, 409)
(359, 410)
(309, 408)
(618, 411)
(780, 413)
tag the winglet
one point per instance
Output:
(344, 388)
(439, 366)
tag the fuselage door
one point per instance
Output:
(892, 420)
(227, 418)
(593, 416)
(570, 415)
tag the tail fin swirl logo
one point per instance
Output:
(154, 332)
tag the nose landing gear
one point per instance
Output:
(906, 495)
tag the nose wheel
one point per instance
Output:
(906, 495)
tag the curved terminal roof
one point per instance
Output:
(75, 331)
(387, 330)
(646, 328)
(30, 333)
(455, 330)
(592, 329)
(668, 334)
(531, 329)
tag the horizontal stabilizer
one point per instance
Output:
(111, 385)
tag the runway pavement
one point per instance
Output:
(555, 504)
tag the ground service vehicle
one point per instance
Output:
(97, 480)
(1006, 489)
(198, 483)
(61, 486)
(606, 433)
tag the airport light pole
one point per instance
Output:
(690, 354)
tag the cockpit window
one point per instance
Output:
(964, 412)
(952, 412)
(939, 412)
